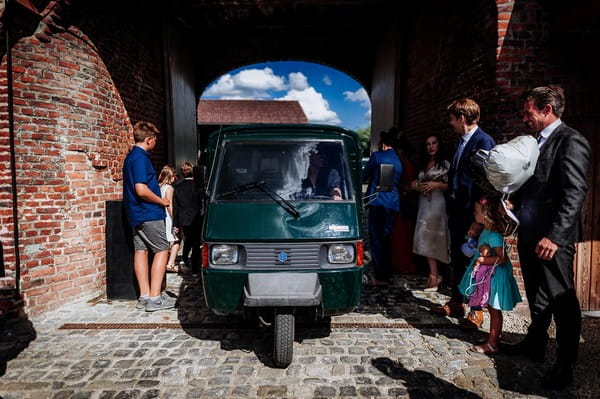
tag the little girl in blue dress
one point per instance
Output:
(504, 291)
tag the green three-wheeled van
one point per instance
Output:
(282, 226)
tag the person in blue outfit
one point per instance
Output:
(502, 291)
(382, 209)
(145, 209)
(463, 192)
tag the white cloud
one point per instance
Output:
(313, 103)
(247, 84)
(360, 96)
(258, 84)
(327, 80)
(298, 81)
(261, 79)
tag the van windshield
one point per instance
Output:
(295, 170)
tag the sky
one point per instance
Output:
(326, 95)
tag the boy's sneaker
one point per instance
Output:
(161, 303)
(142, 301)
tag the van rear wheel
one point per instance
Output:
(283, 337)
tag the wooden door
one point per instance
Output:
(587, 259)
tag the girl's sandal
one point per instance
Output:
(433, 283)
(171, 267)
(485, 349)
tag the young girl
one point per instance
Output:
(504, 292)
(165, 180)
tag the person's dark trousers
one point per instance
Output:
(191, 243)
(459, 222)
(550, 292)
(381, 221)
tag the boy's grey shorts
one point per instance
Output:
(151, 236)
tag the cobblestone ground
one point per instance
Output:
(389, 347)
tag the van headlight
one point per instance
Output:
(340, 253)
(223, 254)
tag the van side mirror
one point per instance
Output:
(386, 177)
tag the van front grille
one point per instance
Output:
(282, 255)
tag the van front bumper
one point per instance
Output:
(226, 291)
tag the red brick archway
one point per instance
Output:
(84, 71)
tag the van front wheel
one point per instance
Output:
(283, 337)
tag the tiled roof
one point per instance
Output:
(235, 112)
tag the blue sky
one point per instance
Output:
(326, 95)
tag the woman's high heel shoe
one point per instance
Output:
(434, 283)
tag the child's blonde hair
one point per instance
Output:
(166, 175)
(494, 221)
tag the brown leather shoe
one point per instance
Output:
(453, 309)
(473, 321)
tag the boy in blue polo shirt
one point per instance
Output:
(146, 213)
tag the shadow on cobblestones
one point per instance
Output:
(16, 332)
(396, 300)
(235, 332)
(402, 301)
(402, 305)
(519, 374)
(420, 384)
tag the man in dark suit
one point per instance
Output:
(549, 205)
(187, 215)
(463, 117)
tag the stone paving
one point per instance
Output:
(390, 347)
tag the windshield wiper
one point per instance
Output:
(282, 202)
(243, 187)
(261, 185)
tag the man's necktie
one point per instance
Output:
(458, 153)
(540, 139)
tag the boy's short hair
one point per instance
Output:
(466, 107)
(387, 138)
(187, 169)
(143, 130)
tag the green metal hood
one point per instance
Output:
(263, 221)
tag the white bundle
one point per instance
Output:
(508, 166)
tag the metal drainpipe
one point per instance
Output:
(11, 135)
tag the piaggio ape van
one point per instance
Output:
(282, 226)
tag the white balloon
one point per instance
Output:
(508, 166)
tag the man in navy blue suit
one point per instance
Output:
(463, 117)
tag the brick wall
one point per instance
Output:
(75, 101)
(492, 51)
(451, 54)
(129, 43)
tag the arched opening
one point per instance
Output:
(285, 92)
